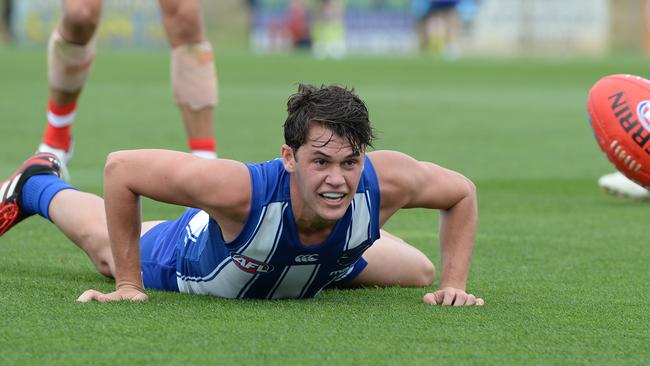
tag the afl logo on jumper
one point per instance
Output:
(643, 111)
(250, 265)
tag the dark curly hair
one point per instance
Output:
(333, 107)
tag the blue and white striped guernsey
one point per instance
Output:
(267, 260)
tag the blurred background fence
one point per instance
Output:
(336, 28)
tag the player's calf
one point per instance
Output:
(69, 65)
(194, 82)
(194, 79)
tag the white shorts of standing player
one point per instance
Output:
(619, 185)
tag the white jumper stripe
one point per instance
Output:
(230, 279)
(294, 281)
(361, 220)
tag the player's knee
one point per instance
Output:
(186, 24)
(79, 22)
(427, 273)
(104, 263)
(104, 268)
(93, 238)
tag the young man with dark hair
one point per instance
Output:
(285, 228)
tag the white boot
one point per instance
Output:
(619, 185)
(64, 157)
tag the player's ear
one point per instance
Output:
(288, 158)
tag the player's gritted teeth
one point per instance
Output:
(332, 196)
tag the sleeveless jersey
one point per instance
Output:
(267, 260)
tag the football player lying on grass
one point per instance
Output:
(285, 228)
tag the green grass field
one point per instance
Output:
(562, 266)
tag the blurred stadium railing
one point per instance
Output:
(124, 23)
(489, 27)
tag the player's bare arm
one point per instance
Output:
(408, 183)
(220, 187)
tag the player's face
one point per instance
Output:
(325, 174)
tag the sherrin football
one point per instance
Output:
(619, 113)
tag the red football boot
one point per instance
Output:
(11, 189)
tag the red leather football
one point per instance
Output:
(619, 113)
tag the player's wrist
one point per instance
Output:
(459, 285)
(128, 285)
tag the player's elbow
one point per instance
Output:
(468, 188)
(114, 166)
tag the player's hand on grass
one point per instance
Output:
(121, 294)
(450, 296)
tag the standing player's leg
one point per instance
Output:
(193, 74)
(393, 262)
(70, 54)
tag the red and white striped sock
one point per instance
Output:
(203, 147)
(59, 122)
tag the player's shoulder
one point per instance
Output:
(270, 170)
(397, 174)
(394, 169)
(270, 181)
(390, 160)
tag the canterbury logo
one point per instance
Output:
(306, 258)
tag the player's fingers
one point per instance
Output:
(448, 298)
(89, 295)
(470, 300)
(460, 299)
(439, 297)
(429, 298)
(434, 298)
